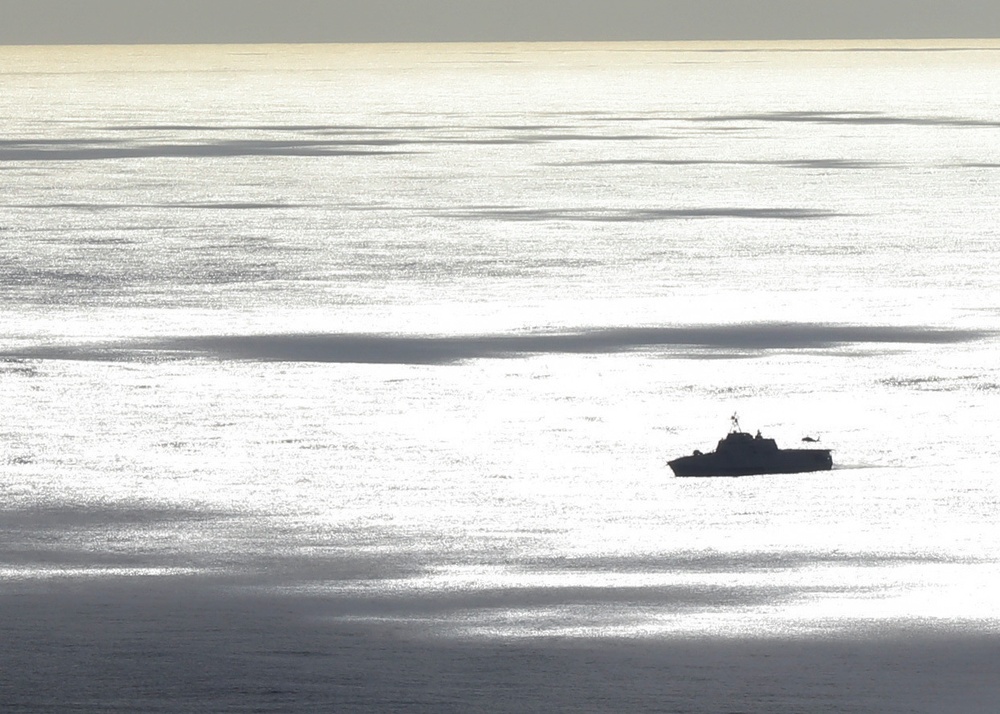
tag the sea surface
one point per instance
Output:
(344, 378)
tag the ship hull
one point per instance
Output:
(789, 461)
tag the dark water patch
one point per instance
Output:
(570, 136)
(230, 205)
(39, 143)
(219, 205)
(750, 49)
(836, 164)
(936, 384)
(713, 562)
(96, 150)
(940, 384)
(105, 540)
(91, 151)
(86, 515)
(60, 287)
(89, 538)
(292, 128)
(333, 628)
(491, 141)
(436, 350)
(642, 215)
(721, 341)
(171, 644)
(526, 127)
(536, 138)
(481, 267)
(866, 118)
(19, 367)
(491, 602)
(116, 241)
(601, 114)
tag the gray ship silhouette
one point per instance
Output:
(740, 454)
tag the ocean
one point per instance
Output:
(344, 378)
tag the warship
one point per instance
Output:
(740, 454)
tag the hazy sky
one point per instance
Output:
(142, 21)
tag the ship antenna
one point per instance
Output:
(736, 423)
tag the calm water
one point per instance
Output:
(346, 377)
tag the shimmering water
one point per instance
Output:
(346, 377)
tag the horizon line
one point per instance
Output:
(839, 43)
